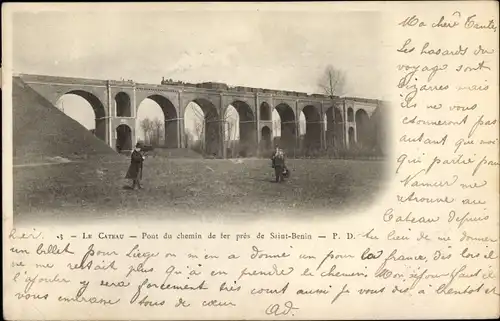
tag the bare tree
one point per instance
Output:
(276, 128)
(153, 130)
(201, 129)
(200, 134)
(234, 132)
(157, 128)
(332, 82)
(189, 139)
(147, 127)
(230, 128)
(230, 134)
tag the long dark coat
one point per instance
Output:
(278, 161)
(135, 168)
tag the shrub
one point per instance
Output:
(197, 147)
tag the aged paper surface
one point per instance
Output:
(391, 207)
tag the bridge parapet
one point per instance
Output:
(121, 83)
(206, 87)
(28, 78)
(363, 100)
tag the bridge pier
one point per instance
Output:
(172, 133)
(222, 139)
(109, 135)
(345, 136)
(295, 143)
(322, 127)
(181, 129)
(258, 137)
(323, 132)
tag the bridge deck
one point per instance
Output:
(186, 87)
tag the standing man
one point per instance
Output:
(135, 169)
(278, 159)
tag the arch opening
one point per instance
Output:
(313, 123)
(351, 136)
(203, 128)
(266, 138)
(158, 122)
(76, 103)
(334, 128)
(265, 111)
(350, 115)
(288, 127)
(232, 131)
(363, 129)
(240, 117)
(123, 138)
(123, 105)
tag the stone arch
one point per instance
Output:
(212, 127)
(246, 127)
(123, 138)
(288, 126)
(98, 108)
(351, 136)
(363, 128)
(266, 138)
(170, 118)
(265, 111)
(123, 105)
(97, 105)
(334, 127)
(312, 137)
(350, 114)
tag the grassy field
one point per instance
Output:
(193, 187)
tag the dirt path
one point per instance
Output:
(41, 164)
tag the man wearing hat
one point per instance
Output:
(135, 169)
(278, 159)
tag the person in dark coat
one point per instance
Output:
(279, 166)
(135, 169)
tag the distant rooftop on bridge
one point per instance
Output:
(226, 87)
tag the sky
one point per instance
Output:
(257, 48)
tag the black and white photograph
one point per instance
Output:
(250, 161)
(197, 114)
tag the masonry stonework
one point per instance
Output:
(348, 120)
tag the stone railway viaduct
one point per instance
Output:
(350, 121)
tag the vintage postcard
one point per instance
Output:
(256, 161)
